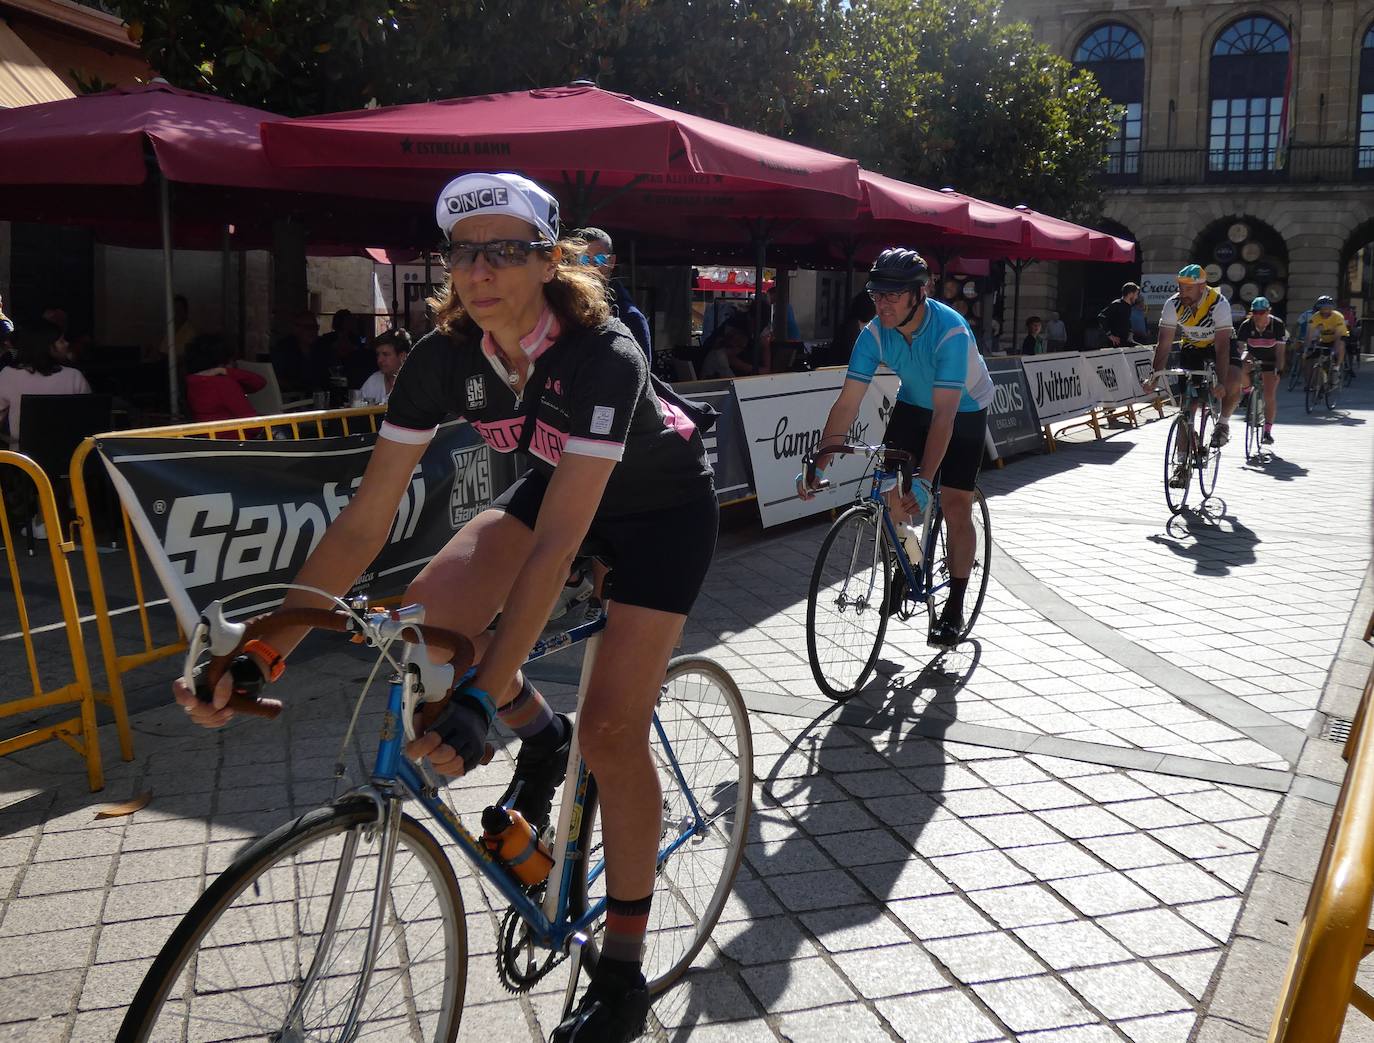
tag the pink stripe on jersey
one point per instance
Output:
(501, 435)
(675, 419)
(547, 443)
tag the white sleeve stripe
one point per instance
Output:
(953, 331)
(862, 378)
(591, 447)
(949, 384)
(406, 435)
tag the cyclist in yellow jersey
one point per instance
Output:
(1326, 331)
(1200, 317)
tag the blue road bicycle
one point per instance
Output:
(862, 562)
(349, 921)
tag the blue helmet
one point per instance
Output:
(1260, 304)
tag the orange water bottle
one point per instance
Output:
(510, 838)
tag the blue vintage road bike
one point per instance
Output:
(852, 594)
(349, 921)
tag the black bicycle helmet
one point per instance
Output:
(1325, 302)
(898, 269)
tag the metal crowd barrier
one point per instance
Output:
(287, 426)
(79, 732)
(1334, 936)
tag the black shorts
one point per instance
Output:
(1266, 357)
(1197, 358)
(659, 559)
(959, 470)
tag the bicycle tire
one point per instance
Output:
(842, 660)
(272, 863)
(686, 906)
(1254, 426)
(1294, 373)
(1180, 431)
(938, 571)
(1332, 392)
(1313, 391)
(1209, 457)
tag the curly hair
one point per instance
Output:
(578, 294)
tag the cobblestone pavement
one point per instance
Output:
(1048, 835)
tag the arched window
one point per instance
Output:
(1249, 78)
(1115, 55)
(1366, 153)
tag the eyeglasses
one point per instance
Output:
(499, 253)
(597, 259)
(891, 297)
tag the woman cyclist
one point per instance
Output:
(1263, 336)
(525, 349)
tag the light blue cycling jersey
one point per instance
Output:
(942, 354)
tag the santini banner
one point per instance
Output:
(219, 518)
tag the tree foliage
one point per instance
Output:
(936, 91)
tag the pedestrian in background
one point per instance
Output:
(1034, 342)
(1140, 327)
(1115, 319)
(1056, 334)
(600, 253)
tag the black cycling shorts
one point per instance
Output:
(658, 559)
(1266, 357)
(1197, 358)
(959, 470)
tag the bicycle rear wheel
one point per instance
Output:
(274, 947)
(1294, 372)
(938, 565)
(1178, 442)
(847, 607)
(704, 753)
(1208, 457)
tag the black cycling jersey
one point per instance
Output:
(596, 398)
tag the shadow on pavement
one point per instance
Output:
(1276, 467)
(1214, 541)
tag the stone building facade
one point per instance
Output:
(1247, 144)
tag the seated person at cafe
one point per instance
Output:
(392, 347)
(339, 350)
(728, 352)
(185, 332)
(36, 371)
(290, 351)
(215, 389)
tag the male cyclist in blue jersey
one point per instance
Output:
(940, 416)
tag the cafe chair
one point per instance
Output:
(52, 427)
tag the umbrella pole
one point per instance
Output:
(634, 268)
(1016, 268)
(224, 281)
(760, 259)
(165, 192)
(395, 304)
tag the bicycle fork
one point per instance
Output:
(390, 830)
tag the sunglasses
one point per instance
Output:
(889, 297)
(499, 253)
(597, 259)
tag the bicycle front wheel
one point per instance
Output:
(847, 607)
(1333, 388)
(1208, 457)
(1294, 373)
(1315, 383)
(274, 948)
(937, 562)
(704, 754)
(1254, 426)
(1178, 462)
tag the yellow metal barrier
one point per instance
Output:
(77, 732)
(291, 426)
(1319, 987)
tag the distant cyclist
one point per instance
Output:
(1327, 333)
(1201, 317)
(1263, 337)
(940, 416)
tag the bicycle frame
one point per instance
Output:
(917, 576)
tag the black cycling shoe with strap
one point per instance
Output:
(945, 633)
(610, 1011)
(539, 768)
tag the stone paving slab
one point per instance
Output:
(918, 867)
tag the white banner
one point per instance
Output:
(1140, 363)
(1058, 385)
(784, 416)
(1156, 289)
(1111, 378)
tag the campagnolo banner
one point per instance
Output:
(1012, 421)
(1058, 385)
(218, 517)
(784, 416)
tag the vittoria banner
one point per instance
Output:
(218, 517)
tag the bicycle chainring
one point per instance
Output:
(520, 964)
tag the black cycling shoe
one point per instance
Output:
(538, 771)
(610, 1011)
(945, 633)
(1267, 438)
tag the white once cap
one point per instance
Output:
(506, 194)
